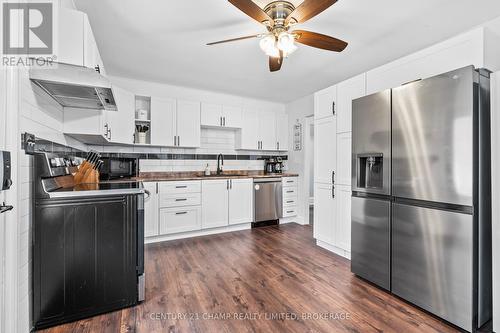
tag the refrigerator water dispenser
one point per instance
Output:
(370, 171)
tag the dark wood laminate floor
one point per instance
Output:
(268, 272)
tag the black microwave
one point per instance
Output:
(115, 168)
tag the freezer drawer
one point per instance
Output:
(370, 240)
(433, 139)
(432, 261)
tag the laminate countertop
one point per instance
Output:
(184, 176)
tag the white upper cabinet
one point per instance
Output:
(71, 32)
(77, 45)
(163, 127)
(267, 130)
(347, 91)
(188, 124)
(249, 136)
(218, 115)
(325, 103)
(282, 132)
(325, 150)
(91, 56)
(215, 203)
(232, 116)
(121, 122)
(211, 114)
(240, 201)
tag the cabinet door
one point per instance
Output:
(344, 159)
(325, 103)
(90, 51)
(162, 121)
(214, 203)
(267, 130)
(211, 114)
(71, 33)
(121, 122)
(232, 116)
(324, 213)
(325, 150)
(188, 124)
(249, 136)
(342, 237)
(151, 221)
(282, 132)
(348, 91)
(240, 201)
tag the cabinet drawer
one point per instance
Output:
(174, 220)
(289, 181)
(289, 192)
(180, 187)
(180, 200)
(289, 211)
(289, 202)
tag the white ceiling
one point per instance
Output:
(164, 41)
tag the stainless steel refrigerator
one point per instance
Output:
(421, 203)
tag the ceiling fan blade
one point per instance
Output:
(251, 9)
(308, 9)
(319, 41)
(276, 63)
(233, 39)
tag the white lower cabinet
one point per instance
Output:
(342, 231)
(226, 202)
(215, 203)
(290, 196)
(151, 222)
(324, 212)
(182, 219)
(240, 201)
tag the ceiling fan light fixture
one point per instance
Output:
(269, 46)
(286, 43)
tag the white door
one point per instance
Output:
(188, 124)
(325, 103)
(325, 150)
(324, 213)
(214, 203)
(282, 132)
(240, 201)
(211, 114)
(162, 121)
(344, 159)
(151, 220)
(121, 122)
(267, 130)
(232, 116)
(181, 219)
(249, 138)
(347, 91)
(342, 237)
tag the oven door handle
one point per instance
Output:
(148, 193)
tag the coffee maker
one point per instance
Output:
(273, 165)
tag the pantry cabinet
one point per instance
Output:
(342, 222)
(324, 212)
(325, 103)
(344, 159)
(325, 157)
(347, 91)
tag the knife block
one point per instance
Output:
(86, 174)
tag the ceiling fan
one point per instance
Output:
(279, 17)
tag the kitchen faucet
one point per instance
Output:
(220, 158)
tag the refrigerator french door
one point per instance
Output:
(440, 174)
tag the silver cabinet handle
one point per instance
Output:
(227, 184)
(333, 108)
(181, 186)
(181, 199)
(290, 201)
(181, 213)
(220, 118)
(175, 140)
(178, 140)
(224, 121)
(333, 177)
(333, 191)
(289, 211)
(290, 191)
(231, 184)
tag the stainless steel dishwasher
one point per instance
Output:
(268, 199)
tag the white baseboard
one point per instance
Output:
(334, 249)
(197, 233)
(293, 219)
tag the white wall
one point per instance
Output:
(298, 111)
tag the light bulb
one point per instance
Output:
(268, 45)
(286, 43)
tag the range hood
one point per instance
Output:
(75, 86)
